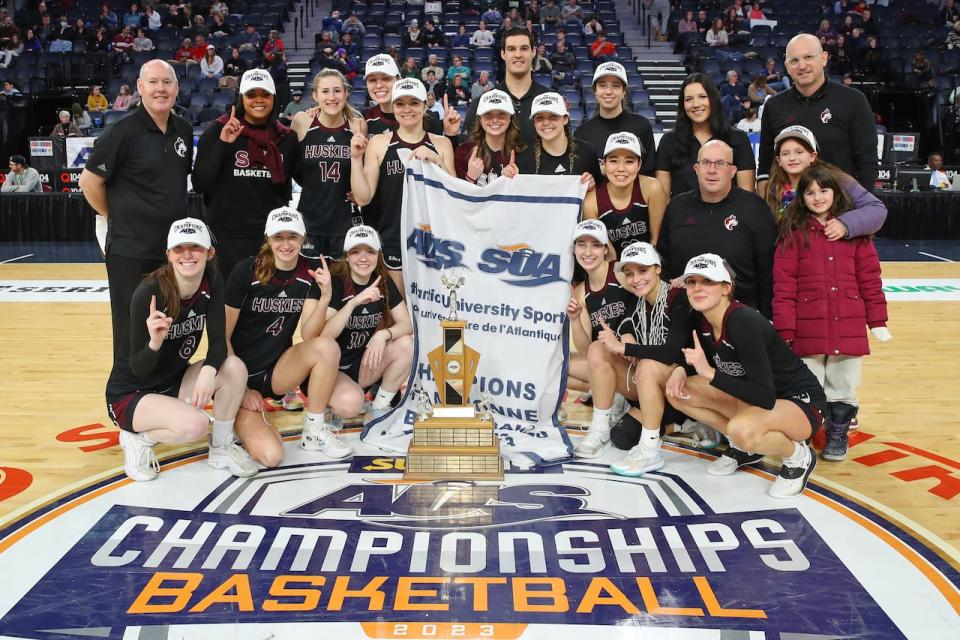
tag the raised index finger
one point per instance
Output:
(376, 283)
(696, 341)
(153, 304)
(604, 325)
(446, 102)
(323, 262)
(233, 112)
(513, 156)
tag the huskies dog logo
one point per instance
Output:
(730, 222)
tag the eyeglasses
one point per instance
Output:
(810, 57)
(720, 165)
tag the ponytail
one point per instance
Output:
(264, 265)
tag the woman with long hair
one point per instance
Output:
(324, 163)
(494, 141)
(374, 178)
(267, 296)
(700, 119)
(748, 383)
(368, 318)
(154, 394)
(555, 151)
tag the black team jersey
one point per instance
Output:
(661, 329)
(269, 313)
(138, 368)
(378, 121)
(325, 175)
(752, 361)
(584, 161)
(365, 320)
(612, 303)
(624, 226)
(383, 212)
(597, 129)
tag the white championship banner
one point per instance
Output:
(512, 242)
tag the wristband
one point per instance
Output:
(390, 339)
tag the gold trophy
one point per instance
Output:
(451, 441)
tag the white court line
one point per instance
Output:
(29, 255)
(924, 253)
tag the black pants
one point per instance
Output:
(231, 249)
(123, 276)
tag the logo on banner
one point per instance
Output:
(433, 252)
(319, 541)
(521, 265)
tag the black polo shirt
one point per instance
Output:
(522, 107)
(146, 180)
(841, 119)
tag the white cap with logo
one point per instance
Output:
(381, 63)
(614, 69)
(593, 228)
(495, 100)
(285, 219)
(798, 132)
(409, 87)
(361, 234)
(709, 266)
(257, 79)
(549, 102)
(642, 253)
(623, 140)
(188, 231)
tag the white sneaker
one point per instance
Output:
(731, 460)
(139, 461)
(593, 444)
(233, 458)
(639, 460)
(792, 480)
(292, 402)
(318, 436)
(705, 437)
(619, 408)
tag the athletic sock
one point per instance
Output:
(147, 440)
(383, 398)
(799, 456)
(315, 417)
(601, 419)
(650, 437)
(222, 433)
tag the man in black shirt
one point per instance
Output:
(136, 178)
(839, 116)
(723, 219)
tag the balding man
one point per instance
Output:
(839, 116)
(136, 178)
(719, 217)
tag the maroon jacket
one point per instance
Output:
(825, 294)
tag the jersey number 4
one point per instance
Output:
(277, 326)
(330, 171)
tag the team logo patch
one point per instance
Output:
(825, 116)
(703, 263)
(180, 147)
(730, 222)
(199, 555)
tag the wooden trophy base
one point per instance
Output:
(454, 444)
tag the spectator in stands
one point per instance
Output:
(922, 70)
(199, 26)
(10, 89)
(199, 47)
(142, 44)
(541, 62)
(133, 18)
(65, 127)
(602, 50)
(841, 62)
(868, 24)
(457, 93)
(329, 60)
(414, 36)
(347, 44)
(12, 49)
(31, 43)
(394, 53)
(233, 69)
(734, 96)
(571, 12)
(952, 41)
(507, 25)
(561, 38)
(432, 65)
(482, 37)
(514, 14)
(326, 40)
(870, 64)
(108, 17)
(949, 13)
(212, 65)
(153, 19)
(758, 91)
(481, 86)
(185, 53)
(123, 45)
(826, 34)
(295, 106)
(437, 85)
(432, 37)
(249, 40)
(459, 69)
(81, 118)
(660, 16)
(755, 12)
(550, 14)
(175, 19)
(462, 39)
(333, 22)
(938, 178)
(703, 22)
(273, 48)
(63, 29)
(592, 26)
(700, 119)
(855, 41)
(492, 15)
(686, 29)
(750, 123)
(353, 26)
(7, 30)
(100, 42)
(123, 99)
(46, 31)
(22, 177)
(610, 88)
(717, 35)
(96, 101)
(847, 27)
(737, 32)
(186, 11)
(409, 69)
(81, 31)
(218, 27)
(564, 64)
(842, 8)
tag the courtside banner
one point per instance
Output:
(511, 241)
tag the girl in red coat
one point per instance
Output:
(825, 294)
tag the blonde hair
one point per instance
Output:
(348, 112)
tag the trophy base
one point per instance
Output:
(453, 448)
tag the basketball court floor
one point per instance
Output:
(347, 550)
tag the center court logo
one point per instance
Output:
(344, 541)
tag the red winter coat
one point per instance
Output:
(825, 294)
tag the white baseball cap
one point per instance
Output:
(257, 79)
(614, 69)
(549, 102)
(361, 234)
(409, 87)
(593, 228)
(188, 231)
(708, 265)
(382, 63)
(798, 132)
(285, 219)
(495, 100)
(623, 140)
(641, 253)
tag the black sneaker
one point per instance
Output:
(792, 480)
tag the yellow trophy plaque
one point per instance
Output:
(451, 441)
